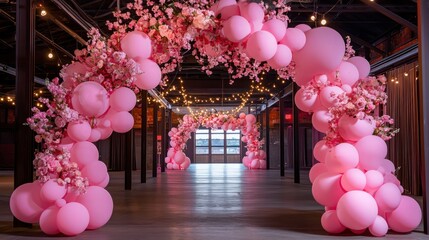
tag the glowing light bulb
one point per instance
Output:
(313, 17)
(43, 13)
(50, 55)
(323, 21)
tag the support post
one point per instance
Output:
(155, 134)
(282, 134)
(423, 36)
(296, 163)
(163, 136)
(143, 138)
(128, 159)
(267, 136)
(25, 28)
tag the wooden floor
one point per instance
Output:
(216, 201)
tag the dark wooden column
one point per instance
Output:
(295, 130)
(267, 135)
(423, 35)
(163, 137)
(25, 29)
(282, 134)
(155, 134)
(143, 138)
(128, 159)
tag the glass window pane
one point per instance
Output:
(217, 142)
(201, 136)
(217, 131)
(217, 150)
(202, 150)
(202, 142)
(202, 131)
(233, 150)
(233, 142)
(235, 131)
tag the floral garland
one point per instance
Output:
(255, 156)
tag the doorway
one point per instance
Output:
(217, 146)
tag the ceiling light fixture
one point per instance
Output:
(43, 13)
(323, 21)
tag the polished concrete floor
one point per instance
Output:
(204, 202)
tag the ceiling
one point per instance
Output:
(367, 22)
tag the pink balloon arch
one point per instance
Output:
(255, 156)
(353, 180)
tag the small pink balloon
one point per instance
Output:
(221, 4)
(169, 166)
(316, 170)
(305, 101)
(137, 44)
(330, 222)
(353, 179)
(348, 73)
(327, 189)
(294, 39)
(328, 95)
(105, 182)
(261, 46)
(150, 76)
(252, 12)
(79, 130)
(346, 88)
(123, 99)
(406, 217)
(72, 219)
(170, 152)
(91, 98)
(320, 120)
(229, 11)
(95, 172)
(25, 202)
(185, 163)
(320, 150)
(95, 135)
(250, 118)
(122, 122)
(372, 150)
(236, 28)
(275, 27)
(246, 161)
(362, 66)
(262, 164)
(357, 210)
(66, 143)
(99, 204)
(52, 191)
(342, 157)
(303, 27)
(69, 72)
(48, 221)
(105, 132)
(387, 166)
(282, 58)
(176, 166)
(84, 153)
(388, 197)
(255, 164)
(379, 228)
(374, 179)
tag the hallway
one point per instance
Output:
(207, 201)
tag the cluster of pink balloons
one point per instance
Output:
(353, 180)
(255, 157)
(269, 40)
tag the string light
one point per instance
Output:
(43, 13)
(313, 17)
(323, 21)
(50, 55)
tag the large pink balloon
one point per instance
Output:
(150, 76)
(123, 99)
(305, 101)
(353, 179)
(52, 191)
(25, 202)
(276, 27)
(329, 95)
(99, 204)
(348, 73)
(282, 58)
(294, 39)
(48, 221)
(357, 210)
(406, 217)
(379, 228)
(353, 129)
(261, 46)
(323, 51)
(236, 28)
(79, 130)
(330, 222)
(84, 153)
(90, 99)
(372, 151)
(362, 66)
(327, 189)
(320, 150)
(185, 163)
(252, 12)
(255, 164)
(122, 122)
(72, 219)
(137, 44)
(342, 157)
(179, 157)
(316, 170)
(388, 197)
(250, 118)
(303, 27)
(95, 172)
(320, 120)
